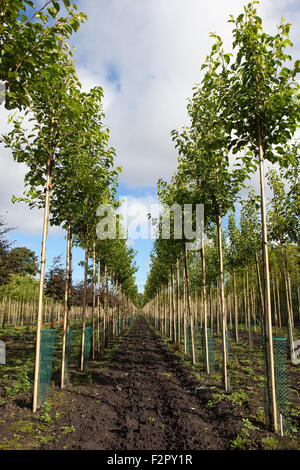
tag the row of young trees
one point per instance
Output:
(64, 142)
(244, 112)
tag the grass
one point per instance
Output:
(238, 443)
(269, 443)
(28, 431)
(67, 429)
(247, 375)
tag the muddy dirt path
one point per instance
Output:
(144, 400)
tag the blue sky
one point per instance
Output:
(56, 242)
(147, 56)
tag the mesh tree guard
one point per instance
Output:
(210, 347)
(189, 346)
(45, 370)
(87, 345)
(227, 363)
(69, 337)
(280, 347)
(289, 341)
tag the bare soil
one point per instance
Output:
(145, 396)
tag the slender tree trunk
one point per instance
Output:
(223, 312)
(70, 273)
(288, 305)
(188, 298)
(84, 296)
(113, 307)
(41, 283)
(261, 297)
(173, 308)
(267, 293)
(278, 302)
(217, 310)
(170, 309)
(105, 327)
(99, 310)
(248, 307)
(236, 316)
(291, 298)
(274, 301)
(205, 307)
(184, 311)
(65, 312)
(94, 300)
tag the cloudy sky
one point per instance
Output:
(146, 54)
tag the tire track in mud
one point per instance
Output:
(140, 402)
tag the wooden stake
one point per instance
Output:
(41, 288)
(267, 294)
(65, 312)
(222, 305)
(84, 314)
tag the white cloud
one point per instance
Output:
(147, 56)
(134, 212)
(155, 50)
(12, 175)
(89, 80)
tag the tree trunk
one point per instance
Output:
(287, 296)
(248, 307)
(236, 318)
(94, 300)
(84, 296)
(205, 306)
(178, 302)
(41, 283)
(105, 327)
(70, 279)
(274, 301)
(223, 312)
(188, 299)
(173, 307)
(267, 293)
(65, 312)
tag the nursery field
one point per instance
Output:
(143, 393)
(169, 316)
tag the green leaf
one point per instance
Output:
(52, 11)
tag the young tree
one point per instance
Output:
(234, 258)
(30, 42)
(279, 224)
(262, 115)
(51, 109)
(205, 157)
